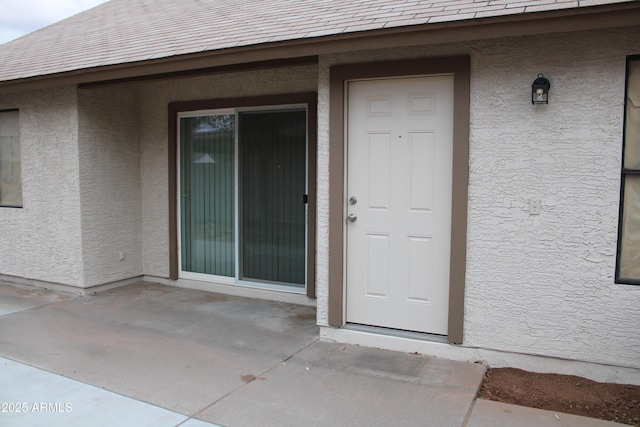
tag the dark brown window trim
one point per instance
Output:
(624, 171)
(12, 110)
(459, 66)
(310, 99)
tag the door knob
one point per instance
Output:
(352, 217)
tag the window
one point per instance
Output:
(628, 261)
(243, 193)
(10, 182)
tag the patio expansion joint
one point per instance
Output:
(38, 306)
(281, 362)
(467, 416)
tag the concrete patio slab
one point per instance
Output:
(487, 413)
(14, 298)
(342, 385)
(412, 368)
(39, 398)
(168, 356)
(176, 348)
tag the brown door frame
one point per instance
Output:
(310, 100)
(459, 67)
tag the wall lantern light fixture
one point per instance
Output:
(540, 90)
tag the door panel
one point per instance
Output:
(399, 171)
(273, 182)
(420, 266)
(379, 170)
(377, 265)
(422, 168)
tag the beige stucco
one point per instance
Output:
(42, 240)
(536, 284)
(155, 98)
(110, 191)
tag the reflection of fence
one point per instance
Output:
(207, 186)
(211, 257)
(213, 233)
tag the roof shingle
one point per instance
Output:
(122, 31)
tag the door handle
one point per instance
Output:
(352, 217)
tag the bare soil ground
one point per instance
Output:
(564, 393)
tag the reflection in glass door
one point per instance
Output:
(207, 194)
(244, 216)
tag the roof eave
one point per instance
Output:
(564, 20)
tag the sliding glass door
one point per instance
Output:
(272, 182)
(243, 196)
(207, 194)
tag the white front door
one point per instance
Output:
(399, 172)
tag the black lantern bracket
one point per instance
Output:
(540, 90)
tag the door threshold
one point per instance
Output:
(399, 333)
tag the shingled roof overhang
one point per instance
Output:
(305, 50)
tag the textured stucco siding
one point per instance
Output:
(535, 284)
(109, 156)
(544, 284)
(42, 240)
(154, 99)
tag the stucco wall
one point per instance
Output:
(109, 156)
(544, 284)
(154, 99)
(41, 241)
(536, 284)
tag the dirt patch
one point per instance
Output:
(248, 378)
(305, 316)
(210, 297)
(564, 393)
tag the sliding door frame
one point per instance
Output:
(308, 100)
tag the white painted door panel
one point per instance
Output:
(399, 168)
